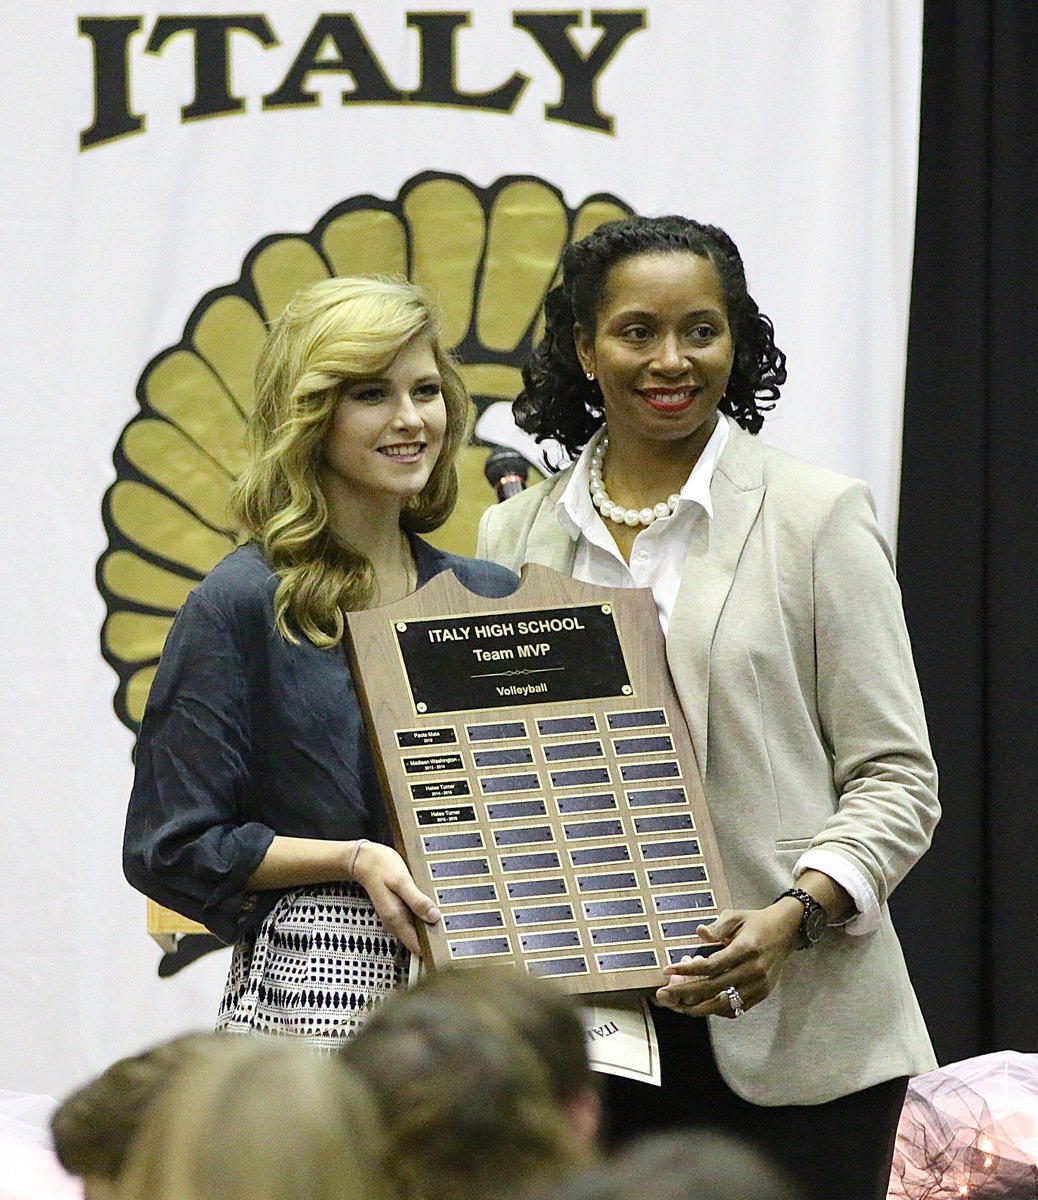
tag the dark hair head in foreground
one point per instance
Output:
(696, 1164)
(483, 1084)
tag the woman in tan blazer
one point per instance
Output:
(788, 648)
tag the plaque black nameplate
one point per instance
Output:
(547, 655)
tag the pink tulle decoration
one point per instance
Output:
(970, 1130)
(29, 1169)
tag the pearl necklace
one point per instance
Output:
(616, 512)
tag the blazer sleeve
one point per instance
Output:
(868, 701)
(189, 843)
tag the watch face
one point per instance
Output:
(813, 924)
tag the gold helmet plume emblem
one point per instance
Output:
(488, 256)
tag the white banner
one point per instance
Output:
(169, 178)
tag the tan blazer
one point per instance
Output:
(790, 655)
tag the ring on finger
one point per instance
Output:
(734, 1001)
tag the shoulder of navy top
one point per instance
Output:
(477, 574)
(246, 573)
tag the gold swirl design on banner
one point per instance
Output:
(488, 256)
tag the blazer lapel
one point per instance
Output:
(737, 491)
(547, 542)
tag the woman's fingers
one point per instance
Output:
(719, 1002)
(396, 917)
(719, 952)
(706, 995)
(397, 898)
(756, 946)
(417, 901)
(723, 927)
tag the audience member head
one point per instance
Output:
(543, 1017)
(260, 1120)
(695, 1164)
(483, 1083)
(95, 1126)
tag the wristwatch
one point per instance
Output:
(814, 920)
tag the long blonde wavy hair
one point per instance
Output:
(331, 333)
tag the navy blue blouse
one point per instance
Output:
(246, 736)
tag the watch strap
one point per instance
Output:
(808, 929)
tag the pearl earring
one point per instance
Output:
(590, 376)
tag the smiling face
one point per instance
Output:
(385, 435)
(661, 349)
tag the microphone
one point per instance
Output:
(506, 471)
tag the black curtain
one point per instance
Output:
(968, 532)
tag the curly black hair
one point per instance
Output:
(558, 401)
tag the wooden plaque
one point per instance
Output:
(540, 778)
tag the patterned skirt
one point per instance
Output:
(314, 968)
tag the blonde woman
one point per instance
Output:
(259, 1120)
(255, 807)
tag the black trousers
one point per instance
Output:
(839, 1149)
